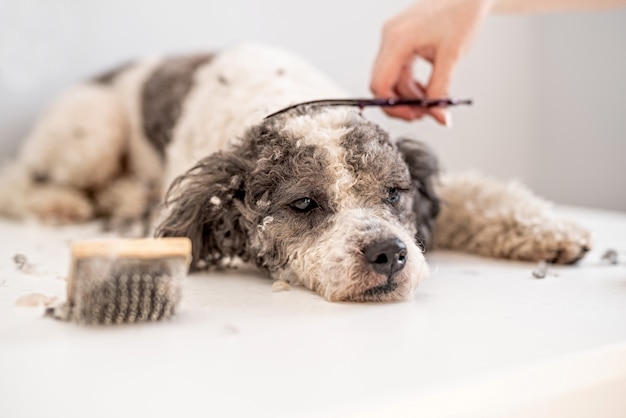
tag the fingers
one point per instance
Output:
(439, 84)
(393, 77)
(408, 88)
(389, 73)
(392, 57)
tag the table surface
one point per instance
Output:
(238, 349)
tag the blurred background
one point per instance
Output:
(549, 91)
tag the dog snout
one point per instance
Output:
(386, 256)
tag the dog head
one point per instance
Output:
(317, 196)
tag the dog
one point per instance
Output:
(316, 196)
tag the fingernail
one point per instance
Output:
(447, 118)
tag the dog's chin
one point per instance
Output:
(393, 289)
(382, 290)
(373, 287)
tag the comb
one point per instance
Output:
(391, 102)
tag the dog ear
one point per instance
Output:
(206, 205)
(423, 167)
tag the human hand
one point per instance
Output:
(437, 31)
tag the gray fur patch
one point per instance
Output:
(389, 168)
(163, 95)
(109, 76)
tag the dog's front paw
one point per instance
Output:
(125, 204)
(59, 206)
(555, 241)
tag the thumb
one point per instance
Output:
(439, 83)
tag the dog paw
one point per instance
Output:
(60, 206)
(127, 227)
(557, 242)
(125, 204)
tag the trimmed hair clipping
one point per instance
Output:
(362, 103)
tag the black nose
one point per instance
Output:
(386, 256)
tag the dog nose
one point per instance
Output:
(386, 256)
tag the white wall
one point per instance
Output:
(580, 146)
(517, 72)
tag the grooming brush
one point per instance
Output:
(425, 103)
(124, 280)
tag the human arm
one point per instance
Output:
(546, 6)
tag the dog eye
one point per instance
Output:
(305, 204)
(393, 196)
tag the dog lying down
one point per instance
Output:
(316, 196)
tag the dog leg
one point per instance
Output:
(23, 197)
(125, 203)
(58, 205)
(484, 216)
(76, 147)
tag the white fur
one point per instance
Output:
(504, 219)
(94, 137)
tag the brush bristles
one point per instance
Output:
(124, 281)
(108, 292)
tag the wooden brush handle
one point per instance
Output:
(132, 248)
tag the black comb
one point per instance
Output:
(425, 103)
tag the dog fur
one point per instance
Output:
(316, 196)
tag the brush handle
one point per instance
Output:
(132, 248)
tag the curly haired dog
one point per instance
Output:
(317, 196)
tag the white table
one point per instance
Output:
(481, 338)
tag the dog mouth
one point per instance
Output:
(382, 290)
